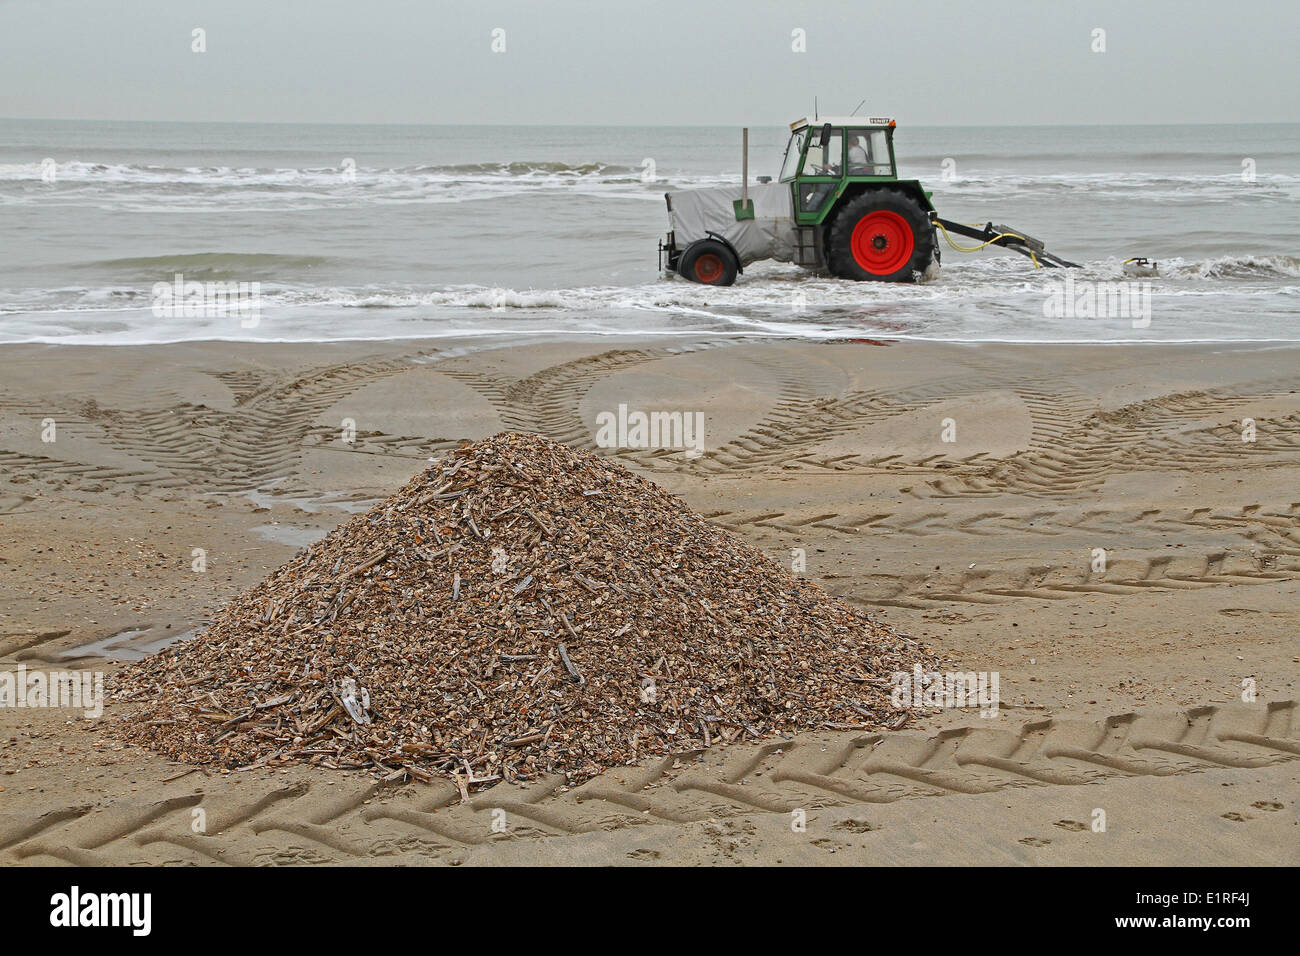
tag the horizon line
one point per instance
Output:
(186, 122)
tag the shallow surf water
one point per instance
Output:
(356, 232)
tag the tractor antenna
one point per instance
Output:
(856, 108)
(814, 109)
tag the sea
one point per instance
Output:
(524, 233)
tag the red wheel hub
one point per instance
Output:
(708, 268)
(882, 242)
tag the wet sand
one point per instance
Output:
(1121, 688)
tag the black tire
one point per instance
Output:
(708, 262)
(868, 238)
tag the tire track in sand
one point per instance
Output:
(263, 821)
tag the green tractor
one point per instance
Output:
(837, 207)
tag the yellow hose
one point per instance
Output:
(1000, 235)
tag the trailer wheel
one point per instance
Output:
(708, 262)
(882, 235)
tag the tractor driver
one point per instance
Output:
(859, 156)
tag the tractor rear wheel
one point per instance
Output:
(882, 235)
(709, 262)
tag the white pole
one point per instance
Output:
(744, 165)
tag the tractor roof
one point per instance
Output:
(842, 121)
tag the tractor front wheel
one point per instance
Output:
(882, 235)
(709, 262)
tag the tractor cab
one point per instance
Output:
(855, 146)
(824, 156)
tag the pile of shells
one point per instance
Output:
(519, 608)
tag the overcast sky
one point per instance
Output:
(674, 62)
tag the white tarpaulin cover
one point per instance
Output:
(769, 235)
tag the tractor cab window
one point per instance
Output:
(825, 154)
(813, 195)
(792, 153)
(869, 153)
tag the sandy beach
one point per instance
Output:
(1114, 530)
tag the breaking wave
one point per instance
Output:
(188, 188)
(1236, 267)
(240, 266)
